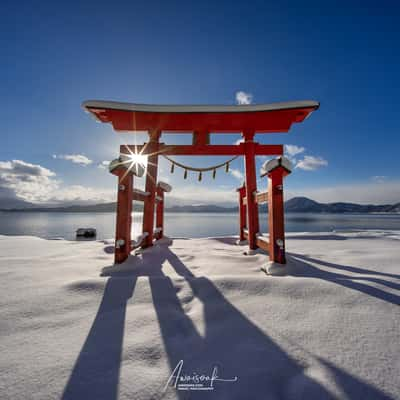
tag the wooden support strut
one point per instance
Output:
(139, 195)
(260, 198)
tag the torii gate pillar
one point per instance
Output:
(151, 186)
(251, 189)
(276, 170)
(124, 215)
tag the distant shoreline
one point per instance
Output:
(49, 210)
(296, 204)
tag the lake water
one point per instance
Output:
(54, 224)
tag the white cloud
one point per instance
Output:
(33, 183)
(311, 163)
(25, 181)
(307, 163)
(103, 164)
(75, 158)
(20, 168)
(237, 174)
(379, 178)
(243, 98)
(291, 150)
(360, 192)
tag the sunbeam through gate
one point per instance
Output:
(200, 121)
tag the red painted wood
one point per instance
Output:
(200, 138)
(206, 150)
(262, 198)
(124, 216)
(201, 124)
(160, 213)
(262, 244)
(242, 212)
(276, 215)
(151, 183)
(251, 187)
(213, 122)
(138, 196)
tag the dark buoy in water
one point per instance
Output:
(86, 233)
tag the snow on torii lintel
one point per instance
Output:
(261, 118)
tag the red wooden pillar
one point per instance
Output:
(242, 212)
(151, 187)
(160, 213)
(124, 216)
(276, 215)
(251, 188)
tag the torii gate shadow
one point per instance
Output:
(231, 341)
(308, 267)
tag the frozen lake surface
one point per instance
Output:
(58, 224)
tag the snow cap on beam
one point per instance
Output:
(92, 105)
(164, 186)
(258, 118)
(125, 162)
(270, 165)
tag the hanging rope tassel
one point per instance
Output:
(197, 169)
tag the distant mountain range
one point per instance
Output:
(296, 204)
(303, 204)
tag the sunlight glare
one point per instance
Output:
(137, 158)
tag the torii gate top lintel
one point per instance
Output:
(254, 118)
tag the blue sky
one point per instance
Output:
(57, 54)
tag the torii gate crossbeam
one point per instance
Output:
(206, 150)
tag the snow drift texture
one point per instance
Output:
(328, 329)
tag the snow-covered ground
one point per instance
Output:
(72, 326)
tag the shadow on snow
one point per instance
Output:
(231, 342)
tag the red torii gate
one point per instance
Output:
(200, 121)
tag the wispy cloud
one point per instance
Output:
(379, 178)
(307, 163)
(311, 163)
(237, 174)
(75, 158)
(243, 97)
(103, 164)
(291, 150)
(78, 194)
